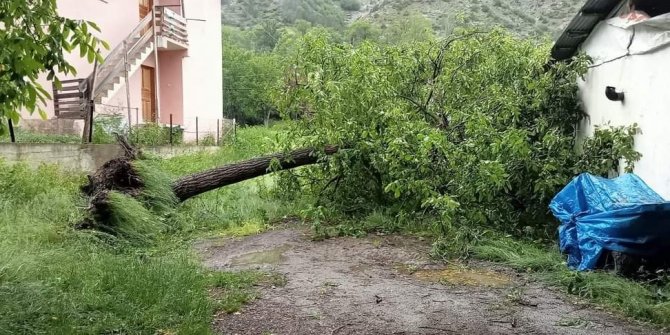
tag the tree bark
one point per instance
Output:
(198, 183)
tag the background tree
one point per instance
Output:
(34, 40)
(362, 30)
(249, 79)
(409, 27)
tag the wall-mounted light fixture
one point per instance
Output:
(613, 95)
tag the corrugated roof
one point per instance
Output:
(581, 27)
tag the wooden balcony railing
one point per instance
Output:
(171, 25)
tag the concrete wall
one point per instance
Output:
(80, 157)
(644, 78)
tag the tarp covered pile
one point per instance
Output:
(621, 214)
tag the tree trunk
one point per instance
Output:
(202, 182)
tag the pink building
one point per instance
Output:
(168, 51)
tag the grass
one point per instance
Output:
(23, 136)
(56, 280)
(645, 301)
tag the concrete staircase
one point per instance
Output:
(125, 59)
(103, 93)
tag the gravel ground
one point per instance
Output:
(388, 285)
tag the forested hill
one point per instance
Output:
(524, 17)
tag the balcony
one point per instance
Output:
(171, 33)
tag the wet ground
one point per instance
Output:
(388, 285)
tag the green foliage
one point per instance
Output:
(24, 136)
(235, 289)
(319, 12)
(104, 127)
(266, 35)
(606, 148)
(153, 134)
(208, 140)
(362, 30)
(350, 5)
(409, 28)
(157, 192)
(34, 40)
(250, 79)
(476, 129)
(444, 15)
(54, 279)
(131, 220)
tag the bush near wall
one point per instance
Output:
(152, 134)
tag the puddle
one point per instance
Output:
(458, 275)
(272, 256)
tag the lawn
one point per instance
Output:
(54, 279)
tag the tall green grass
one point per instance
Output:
(646, 301)
(25, 136)
(56, 280)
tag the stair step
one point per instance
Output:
(114, 67)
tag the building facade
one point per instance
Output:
(628, 80)
(164, 63)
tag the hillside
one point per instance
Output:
(524, 17)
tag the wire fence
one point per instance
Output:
(205, 131)
(167, 129)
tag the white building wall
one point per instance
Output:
(645, 80)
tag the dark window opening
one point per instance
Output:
(651, 7)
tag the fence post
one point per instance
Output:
(11, 131)
(137, 124)
(218, 132)
(171, 129)
(196, 131)
(126, 69)
(91, 110)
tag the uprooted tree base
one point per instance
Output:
(121, 175)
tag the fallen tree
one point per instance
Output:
(124, 175)
(199, 183)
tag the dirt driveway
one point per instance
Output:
(388, 285)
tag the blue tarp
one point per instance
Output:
(621, 214)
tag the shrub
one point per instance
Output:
(152, 134)
(208, 140)
(350, 5)
(104, 127)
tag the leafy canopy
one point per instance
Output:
(475, 129)
(34, 40)
(249, 81)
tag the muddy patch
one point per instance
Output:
(463, 275)
(266, 257)
(388, 285)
